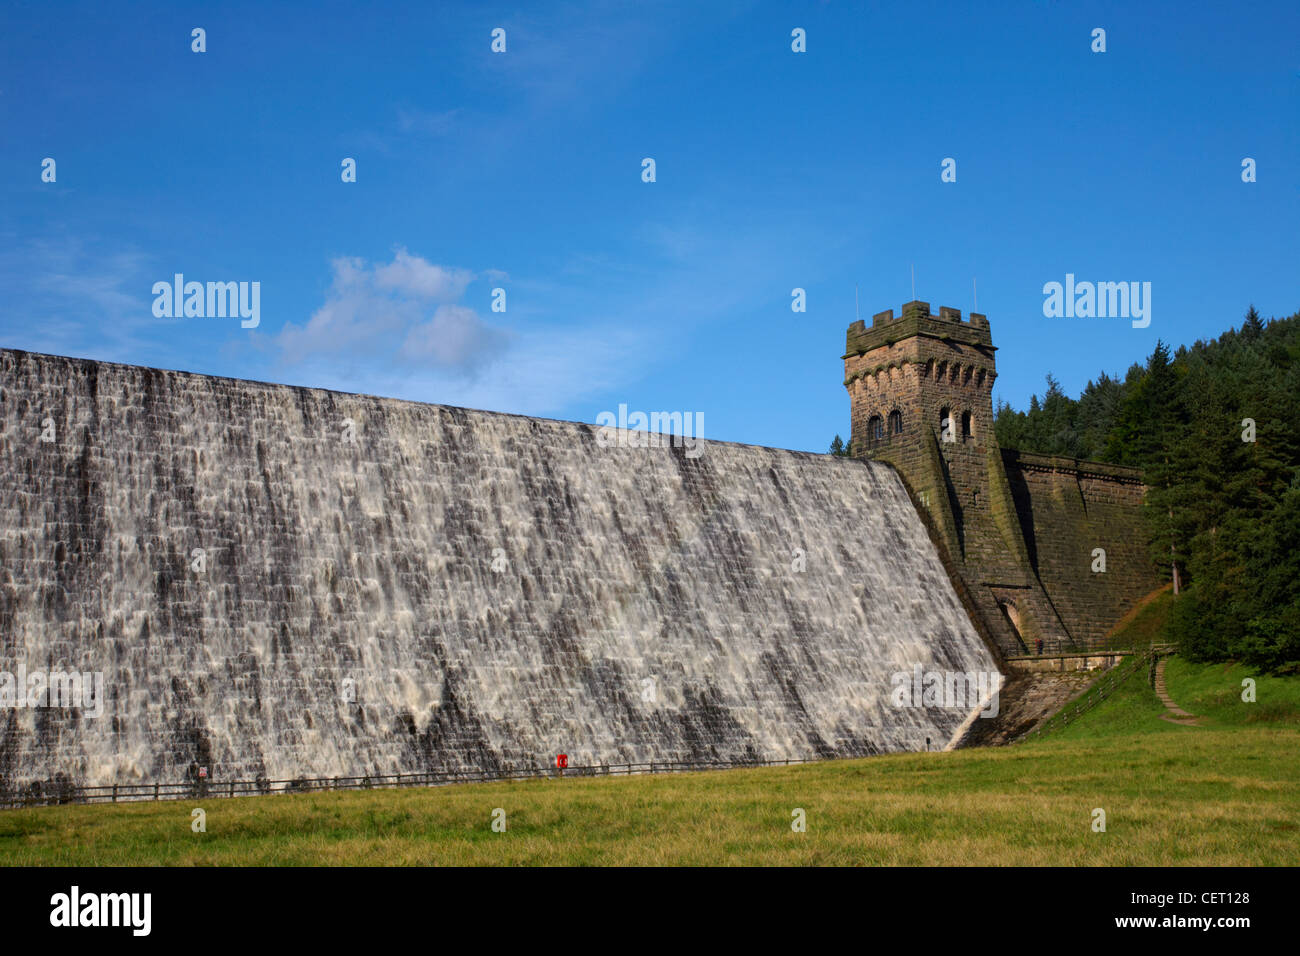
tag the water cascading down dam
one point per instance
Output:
(287, 582)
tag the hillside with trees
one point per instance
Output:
(1216, 430)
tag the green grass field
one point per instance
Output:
(1210, 691)
(1223, 793)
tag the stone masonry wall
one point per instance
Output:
(278, 582)
(1068, 508)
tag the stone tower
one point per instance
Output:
(921, 391)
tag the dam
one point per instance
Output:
(288, 582)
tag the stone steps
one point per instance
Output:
(1176, 714)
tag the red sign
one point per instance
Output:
(561, 760)
(203, 771)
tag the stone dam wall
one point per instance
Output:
(283, 582)
(1067, 509)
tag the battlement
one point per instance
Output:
(917, 319)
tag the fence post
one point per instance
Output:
(232, 788)
(155, 789)
(115, 793)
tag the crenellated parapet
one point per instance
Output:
(909, 374)
(917, 320)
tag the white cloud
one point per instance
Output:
(563, 367)
(455, 338)
(394, 329)
(381, 311)
(416, 277)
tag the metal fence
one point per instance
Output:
(53, 793)
(1067, 647)
(56, 792)
(1105, 685)
(1061, 647)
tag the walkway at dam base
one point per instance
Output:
(204, 787)
(1041, 686)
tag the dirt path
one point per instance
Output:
(1175, 715)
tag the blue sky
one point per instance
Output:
(522, 170)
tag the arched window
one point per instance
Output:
(945, 426)
(875, 428)
(896, 422)
(967, 426)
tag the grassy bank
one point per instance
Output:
(1212, 692)
(1216, 796)
(1144, 624)
(1215, 692)
(1221, 793)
